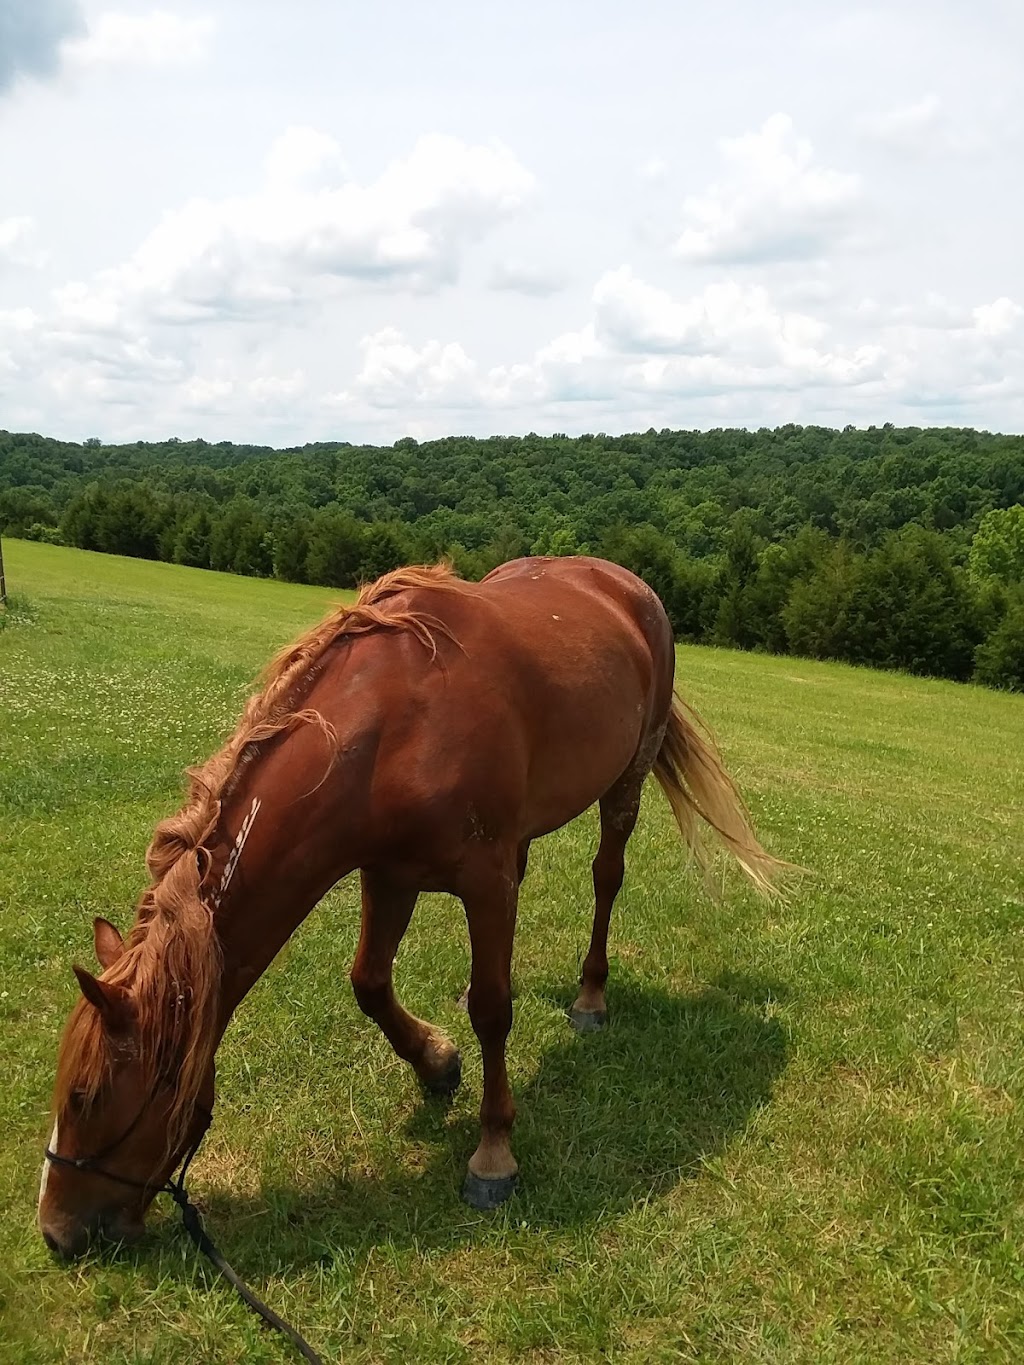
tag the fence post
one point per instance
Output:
(3, 583)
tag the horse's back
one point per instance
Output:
(558, 677)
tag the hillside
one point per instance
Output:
(901, 548)
(797, 1140)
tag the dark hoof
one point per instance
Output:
(448, 1081)
(588, 1021)
(486, 1193)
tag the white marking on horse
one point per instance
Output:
(236, 852)
(46, 1166)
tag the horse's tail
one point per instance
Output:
(692, 776)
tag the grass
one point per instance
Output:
(799, 1140)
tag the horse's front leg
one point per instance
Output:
(490, 893)
(387, 910)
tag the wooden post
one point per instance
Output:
(3, 584)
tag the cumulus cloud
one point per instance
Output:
(640, 341)
(309, 233)
(725, 319)
(999, 318)
(31, 34)
(728, 335)
(232, 392)
(397, 374)
(158, 38)
(775, 202)
(308, 227)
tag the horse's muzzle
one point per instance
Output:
(70, 1240)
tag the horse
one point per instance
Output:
(423, 736)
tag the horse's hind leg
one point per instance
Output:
(619, 809)
(386, 913)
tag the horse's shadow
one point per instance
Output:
(607, 1121)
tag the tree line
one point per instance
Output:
(894, 547)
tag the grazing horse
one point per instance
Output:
(425, 736)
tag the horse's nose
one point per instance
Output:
(69, 1248)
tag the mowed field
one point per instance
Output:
(799, 1139)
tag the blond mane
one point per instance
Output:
(171, 963)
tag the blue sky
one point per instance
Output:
(282, 223)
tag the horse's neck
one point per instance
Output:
(280, 847)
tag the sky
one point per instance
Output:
(279, 223)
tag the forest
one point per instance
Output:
(900, 548)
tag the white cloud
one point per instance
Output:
(17, 247)
(998, 318)
(397, 375)
(640, 341)
(304, 158)
(637, 317)
(158, 38)
(230, 391)
(775, 202)
(275, 389)
(654, 167)
(308, 227)
(395, 372)
(21, 320)
(206, 395)
(728, 335)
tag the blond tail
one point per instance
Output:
(692, 776)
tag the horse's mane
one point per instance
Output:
(171, 963)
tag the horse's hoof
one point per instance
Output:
(487, 1193)
(588, 1021)
(448, 1081)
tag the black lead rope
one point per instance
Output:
(193, 1222)
(192, 1219)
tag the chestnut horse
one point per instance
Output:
(425, 736)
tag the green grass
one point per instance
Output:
(800, 1138)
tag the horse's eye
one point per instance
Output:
(77, 1100)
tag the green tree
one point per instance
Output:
(816, 617)
(335, 549)
(999, 662)
(913, 609)
(997, 550)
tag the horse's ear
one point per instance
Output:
(111, 1001)
(109, 943)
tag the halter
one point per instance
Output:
(89, 1164)
(190, 1216)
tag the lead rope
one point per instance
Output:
(193, 1222)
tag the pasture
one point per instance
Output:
(799, 1140)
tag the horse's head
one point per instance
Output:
(118, 1121)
